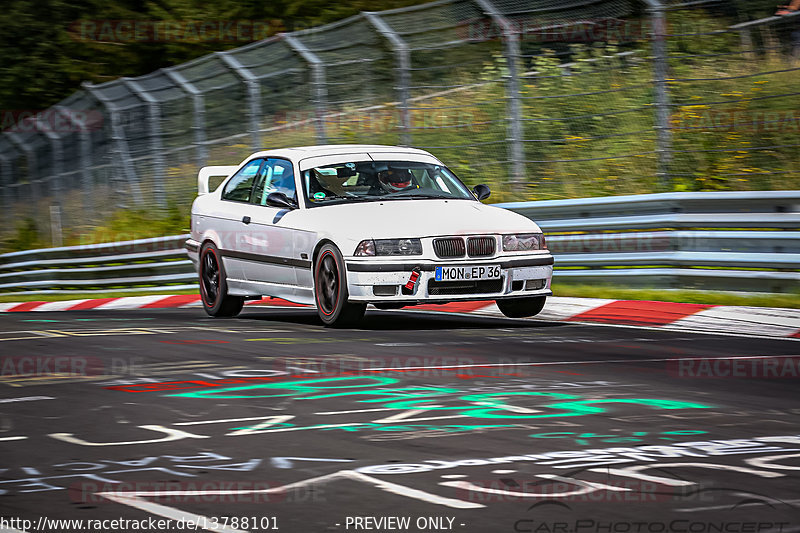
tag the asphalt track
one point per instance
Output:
(455, 422)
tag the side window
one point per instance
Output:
(239, 186)
(277, 176)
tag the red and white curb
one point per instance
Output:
(757, 321)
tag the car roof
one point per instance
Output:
(302, 152)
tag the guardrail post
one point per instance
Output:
(403, 57)
(199, 118)
(514, 109)
(660, 72)
(253, 95)
(120, 143)
(318, 82)
(160, 170)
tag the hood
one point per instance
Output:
(411, 218)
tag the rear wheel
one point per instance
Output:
(521, 307)
(214, 287)
(330, 290)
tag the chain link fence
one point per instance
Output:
(541, 99)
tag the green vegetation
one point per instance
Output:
(46, 53)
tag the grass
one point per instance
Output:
(791, 301)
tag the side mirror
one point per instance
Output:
(481, 192)
(279, 199)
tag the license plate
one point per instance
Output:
(467, 272)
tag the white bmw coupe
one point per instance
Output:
(343, 226)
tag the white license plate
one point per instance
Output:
(467, 272)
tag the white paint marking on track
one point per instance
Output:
(58, 306)
(202, 522)
(355, 411)
(135, 499)
(738, 319)
(670, 327)
(131, 302)
(224, 420)
(561, 307)
(287, 462)
(12, 438)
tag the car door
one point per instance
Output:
(269, 240)
(228, 214)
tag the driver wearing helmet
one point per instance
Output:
(395, 179)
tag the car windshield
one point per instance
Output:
(369, 181)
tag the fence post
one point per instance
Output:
(85, 156)
(199, 119)
(56, 189)
(403, 57)
(660, 73)
(160, 171)
(33, 184)
(6, 178)
(514, 109)
(318, 82)
(253, 95)
(120, 143)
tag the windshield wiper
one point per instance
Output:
(413, 195)
(340, 197)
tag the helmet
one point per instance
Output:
(395, 179)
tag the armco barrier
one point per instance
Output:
(741, 241)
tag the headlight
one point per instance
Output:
(523, 242)
(389, 247)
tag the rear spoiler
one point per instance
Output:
(206, 172)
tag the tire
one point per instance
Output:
(330, 290)
(214, 286)
(521, 307)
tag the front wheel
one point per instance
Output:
(521, 307)
(214, 287)
(330, 290)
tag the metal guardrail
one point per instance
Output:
(745, 241)
(706, 240)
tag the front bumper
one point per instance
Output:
(371, 280)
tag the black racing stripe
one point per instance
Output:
(392, 267)
(408, 267)
(517, 263)
(270, 259)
